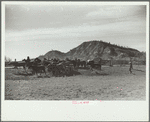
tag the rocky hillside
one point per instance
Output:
(92, 49)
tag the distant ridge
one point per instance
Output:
(91, 49)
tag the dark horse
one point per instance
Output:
(74, 63)
(35, 65)
(38, 69)
(83, 64)
(94, 64)
(18, 64)
(27, 62)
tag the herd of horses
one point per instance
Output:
(56, 66)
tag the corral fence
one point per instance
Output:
(122, 62)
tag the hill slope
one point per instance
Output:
(53, 54)
(92, 49)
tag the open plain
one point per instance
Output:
(111, 83)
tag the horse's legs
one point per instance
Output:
(33, 72)
(74, 65)
(91, 67)
(36, 73)
(25, 69)
(40, 72)
(130, 70)
(44, 71)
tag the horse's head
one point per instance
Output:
(24, 60)
(37, 60)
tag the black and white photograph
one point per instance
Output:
(84, 53)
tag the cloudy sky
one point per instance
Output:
(32, 30)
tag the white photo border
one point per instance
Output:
(35, 110)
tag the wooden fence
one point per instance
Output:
(121, 62)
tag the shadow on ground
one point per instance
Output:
(138, 70)
(24, 74)
(13, 74)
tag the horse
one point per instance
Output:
(94, 64)
(35, 65)
(54, 69)
(37, 61)
(46, 62)
(60, 68)
(83, 64)
(28, 62)
(74, 63)
(37, 69)
(78, 62)
(91, 64)
(17, 64)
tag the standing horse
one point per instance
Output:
(64, 67)
(37, 61)
(83, 64)
(54, 69)
(28, 63)
(95, 63)
(74, 63)
(38, 69)
(46, 62)
(18, 64)
(35, 65)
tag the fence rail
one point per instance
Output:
(122, 62)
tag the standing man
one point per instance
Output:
(28, 59)
(130, 63)
(100, 63)
(111, 61)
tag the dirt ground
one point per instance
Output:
(111, 83)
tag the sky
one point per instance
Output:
(33, 30)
